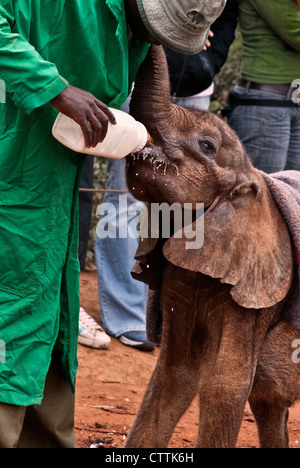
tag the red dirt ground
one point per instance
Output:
(111, 385)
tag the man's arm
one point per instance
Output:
(31, 82)
(91, 114)
(283, 17)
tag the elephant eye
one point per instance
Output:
(207, 147)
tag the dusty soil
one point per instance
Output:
(111, 385)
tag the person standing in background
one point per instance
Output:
(264, 110)
(192, 77)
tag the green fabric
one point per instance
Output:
(43, 47)
(271, 41)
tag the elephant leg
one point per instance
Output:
(227, 375)
(169, 394)
(276, 386)
(175, 381)
(221, 416)
(271, 421)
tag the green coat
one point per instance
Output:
(44, 45)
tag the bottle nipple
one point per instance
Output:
(150, 141)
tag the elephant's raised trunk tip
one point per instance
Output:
(151, 97)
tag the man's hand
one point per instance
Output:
(91, 114)
(211, 34)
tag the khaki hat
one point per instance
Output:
(180, 25)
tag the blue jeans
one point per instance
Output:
(271, 135)
(122, 299)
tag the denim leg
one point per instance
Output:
(293, 159)
(122, 299)
(264, 131)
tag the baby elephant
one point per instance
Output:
(217, 311)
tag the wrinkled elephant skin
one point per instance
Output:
(222, 335)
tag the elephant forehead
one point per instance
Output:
(204, 119)
(211, 125)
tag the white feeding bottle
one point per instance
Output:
(127, 136)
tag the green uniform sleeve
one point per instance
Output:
(29, 80)
(283, 17)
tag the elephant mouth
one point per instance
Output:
(156, 161)
(151, 164)
(212, 205)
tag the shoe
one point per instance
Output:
(137, 340)
(90, 333)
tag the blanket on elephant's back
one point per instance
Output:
(285, 190)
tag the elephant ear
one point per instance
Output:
(246, 245)
(148, 268)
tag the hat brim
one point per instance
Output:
(161, 28)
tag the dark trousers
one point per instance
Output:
(50, 425)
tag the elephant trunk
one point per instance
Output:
(150, 102)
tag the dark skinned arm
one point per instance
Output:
(92, 115)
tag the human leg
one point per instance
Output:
(11, 423)
(51, 425)
(122, 299)
(293, 159)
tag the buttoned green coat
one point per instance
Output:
(44, 46)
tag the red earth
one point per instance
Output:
(111, 385)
